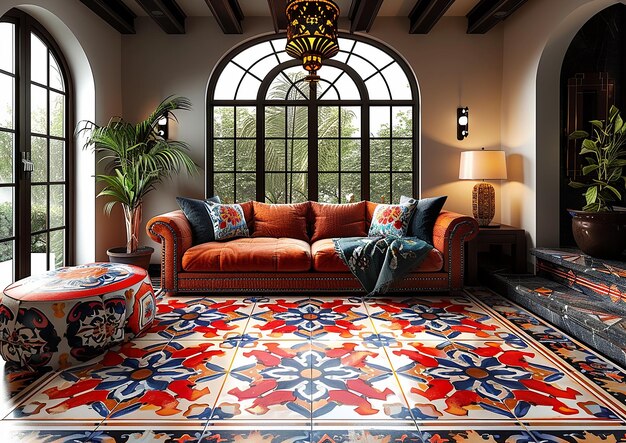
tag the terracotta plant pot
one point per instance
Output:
(139, 258)
(600, 234)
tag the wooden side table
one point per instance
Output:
(505, 235)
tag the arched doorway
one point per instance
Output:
(547, 136)
(593, 78)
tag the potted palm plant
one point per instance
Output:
(136, 158)
(600, 230)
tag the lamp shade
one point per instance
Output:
(312, 32)
(482, 165)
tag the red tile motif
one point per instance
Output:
(436, 369)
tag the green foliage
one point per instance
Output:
(38, 243)
(136, 157)
(605, 154)
(290, 123)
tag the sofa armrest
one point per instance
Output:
(173, 231)
(450, 233)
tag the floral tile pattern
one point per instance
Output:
(199, 319)
(352, 383)
(213, 435)
(140, 380)
(421, 318)
(366, 435)
(269, 381)
(310, 318)
(518, 435)
(578, 436)
(579, 358)
(465, 367)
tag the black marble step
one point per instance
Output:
(594, 277)
(591, 318)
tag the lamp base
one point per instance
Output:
(483, 203)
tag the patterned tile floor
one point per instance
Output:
(465, 367)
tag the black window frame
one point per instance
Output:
(24, 26)
(261, 103)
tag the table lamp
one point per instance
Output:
(483, 165)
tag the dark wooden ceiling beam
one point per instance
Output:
(166, 13)
(115, 13)
(228, 14)
(426, 13)
(488, 13)
(277, 9)
(363, 13)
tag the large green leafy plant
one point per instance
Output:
(136, 158)
(605, 155)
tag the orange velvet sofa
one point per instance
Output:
(260, 264)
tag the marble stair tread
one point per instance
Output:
(591, 314)
(611, 272)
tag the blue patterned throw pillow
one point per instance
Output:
(228, 221)
(391, 220)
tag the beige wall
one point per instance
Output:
(92, 49)
(452, 69)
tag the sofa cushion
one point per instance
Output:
(284, 220)
(370, 207)
(325, 259)
(329, 220)
(425, 215)
(197, 212)
(248, 213)
(261, 254)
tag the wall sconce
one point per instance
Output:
(462, 123)
(162, 127)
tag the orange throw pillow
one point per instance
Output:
(285, 220)
(330, 221)
(248, 213)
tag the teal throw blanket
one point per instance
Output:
(377, 262)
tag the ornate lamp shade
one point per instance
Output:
(312, 33)
(483, 165)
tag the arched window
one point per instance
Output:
(274, 137)
(35, 134)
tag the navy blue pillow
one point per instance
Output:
(426, 212)
(197, 213)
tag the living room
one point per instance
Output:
(501, 62)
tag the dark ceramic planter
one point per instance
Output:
(600, 234)
(139, 258)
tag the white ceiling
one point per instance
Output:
(259, 8)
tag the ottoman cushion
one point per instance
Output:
(73, 314)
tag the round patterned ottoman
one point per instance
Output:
(72, 314)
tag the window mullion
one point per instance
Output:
(235, 152)
(23, 198)
(313, 119)
(210, 161)
(339, 154)
(390, 153)
(260, 152)
(365, 152)
(48, 124)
